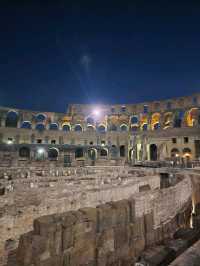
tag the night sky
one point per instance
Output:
(97, 52)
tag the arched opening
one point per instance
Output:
(192, 117)
(40, 118)
(101, 129)
(53, 153)
(103, 152)
(134, 119)
(175, 153)
(178, 119)
(90, 120)
(11, 119)
(90, 128)
(78, 128)
(124, 128)
(122, 151)
(186, 152)
(40, 127)
(66, 127)
(144, 127)
(26, 125)
(53, 126)
(24, 152)
(168, 120)
(153, 152)
(92, 154)
(155, 121)
(114, 151)
(79, 153)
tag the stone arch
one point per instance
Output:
(155, 121)
(134, 119)
(101, 128)
(124, 128)
(53, 126)
(53, 153)
(24, 152)
(26, 125)
(144, 127)
(11, 119)
(122, 151)
(187, 152)
(66, 127)
(90, 128)
(178, 117)
(175, 153)
(40, 118)
(168, 120)
(103, 152)
(40, 127)
(192, 117)
(92, 154)
(79, 153)
(153, 152)
(78, 128)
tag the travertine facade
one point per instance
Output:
(102, 134)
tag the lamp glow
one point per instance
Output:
(96, 112)
(40, 151)
(9, 142)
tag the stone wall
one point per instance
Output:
(38, 192)
(111, 234)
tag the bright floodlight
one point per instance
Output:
(9, 142)
(96, 112)
(40, 150)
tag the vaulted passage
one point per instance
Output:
(153, 152)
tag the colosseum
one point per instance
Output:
(101, 185)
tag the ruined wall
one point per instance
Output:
(114, 233)
(42, 192)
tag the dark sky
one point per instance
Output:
(97, 52)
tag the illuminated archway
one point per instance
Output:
(178, 117)
(187, 152)
(144, 127)
(53, 126)
(53, 153)
(168, 120)
(90, 128)
(78, 128)
(124, 128)
(134, 119)
(26, 125)
(155, 121)
(40, 127)
(66, 127)
(175, 153)
(92, 154)
(40, 118)
(192, 117)
(101, 128)
(11, 119)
